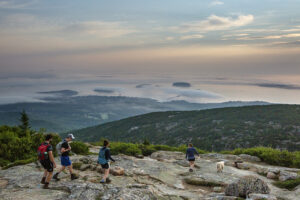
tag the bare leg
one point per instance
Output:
(192, 164)
(45, 173)
(62, 169)
(70, 168)
(48, 179)
(106, 173)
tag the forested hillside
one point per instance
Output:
(276, 126)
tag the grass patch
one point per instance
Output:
(202, 183)
(20, 162)
(289, 184)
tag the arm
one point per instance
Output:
(107, 155)
(196, 152)
(52, 158)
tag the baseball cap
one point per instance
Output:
(71, 136)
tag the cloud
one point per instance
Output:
(103, 29)
(214, 23)
(191, 93)
(181, 84)
(216, 3)
(271, 37)
(188, 37)
(16, 4)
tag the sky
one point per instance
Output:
(227, 50)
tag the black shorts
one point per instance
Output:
(191, 159)
(105, 166)
(47, 164)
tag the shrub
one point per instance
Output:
(20, 162)
(289, 184)
(125, 148)
(271, 156)
(79, 148)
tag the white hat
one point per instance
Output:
(71, 136)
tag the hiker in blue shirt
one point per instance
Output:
(103, 159)
(190, 156)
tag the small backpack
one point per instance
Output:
(101, 157)
(58, 148)
(42, 151)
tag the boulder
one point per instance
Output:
(247, 185)
(217, 189)
(84, 167)
(284, 176)
(249, 158)
(139, 156)
(255, 196)
(117, 171)
(271, 175)
(244, 166)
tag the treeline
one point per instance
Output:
(18, 144)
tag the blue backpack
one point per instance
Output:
(101, 157)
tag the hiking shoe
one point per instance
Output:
(102, 181)
(56, 177)
(46, 186)
(74, 176)
(191, 170)
(43, 181)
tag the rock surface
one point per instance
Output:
(161, 176)
(246, 186)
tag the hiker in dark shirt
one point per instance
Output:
(103, 160)
(65, 159)
(47, 160)
(190, 156)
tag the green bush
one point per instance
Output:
(125, 148)
(16, 146)
(271, 156)
(289, 184)
(79, 148)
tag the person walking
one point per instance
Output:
(65, 159)
(103, 160)
(190, 156)
(46, 159)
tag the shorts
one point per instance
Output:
(191, 159)
(47, 164)
(105, 166)
(65, 161)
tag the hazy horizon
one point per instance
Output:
(222, 50)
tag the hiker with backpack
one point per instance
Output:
(46, 159)
(103, 160)
(190, 156)
(64, 149)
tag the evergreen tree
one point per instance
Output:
(24, 123)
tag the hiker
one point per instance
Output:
(64, 158)
(103, 160)
(46, 159)
(190, 156)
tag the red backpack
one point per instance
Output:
(42, 151)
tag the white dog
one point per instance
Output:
(220, 166)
